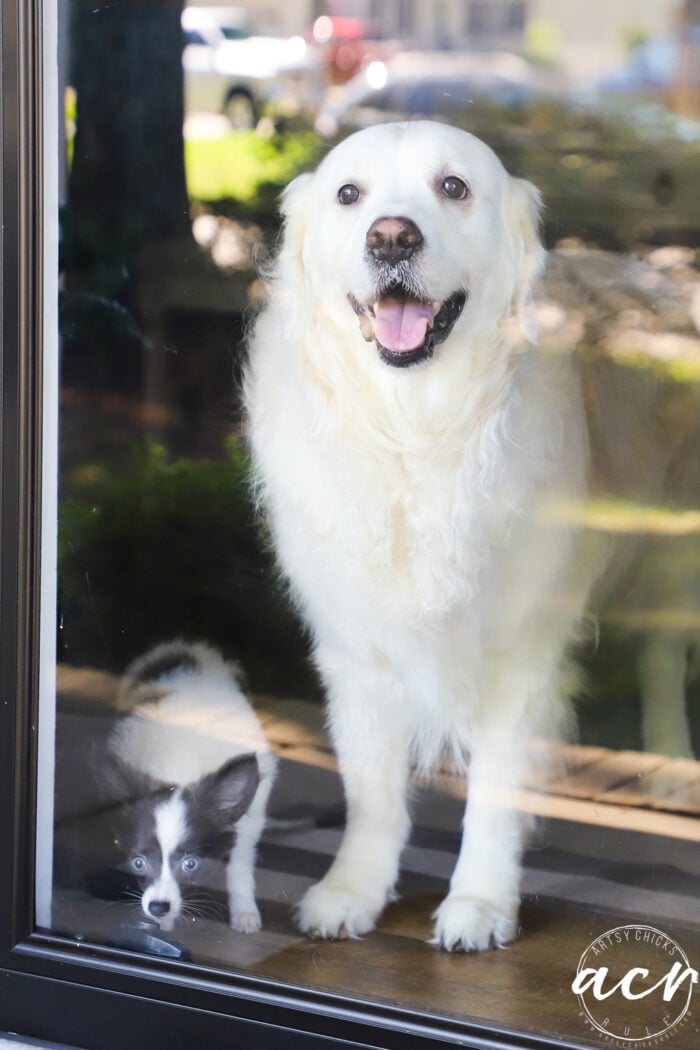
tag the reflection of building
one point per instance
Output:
(481, 24)
(598, 39)
(550, 30)
(556, 31)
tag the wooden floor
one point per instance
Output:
(527, 986)
(523, 988)
(630, 789)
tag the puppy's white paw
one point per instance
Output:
(335, 912)
(246, 919)
(472, 925)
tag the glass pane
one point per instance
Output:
(468, 567)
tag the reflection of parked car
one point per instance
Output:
(346, 45)
(424, 84)
(231, 71)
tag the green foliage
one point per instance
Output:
(609, 711)
(250, 169)
(170, 547)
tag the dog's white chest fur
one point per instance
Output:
(430, 504)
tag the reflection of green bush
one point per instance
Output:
(246, 167)
(170, 547)
(609, 711)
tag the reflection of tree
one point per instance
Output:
(166, 546)
(127, 225)
(127, 181)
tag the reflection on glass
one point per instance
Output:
(167, 236)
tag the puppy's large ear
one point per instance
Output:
(523, 208)
(227, 793)
(295, 208)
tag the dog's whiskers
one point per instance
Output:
(403, 274)
(204, 907)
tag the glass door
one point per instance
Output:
(192, 787)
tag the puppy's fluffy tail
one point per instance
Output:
(149, 675)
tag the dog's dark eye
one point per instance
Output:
(348, 194)
(190, 864)
(138, 864)
(454, 188)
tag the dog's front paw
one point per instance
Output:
(246, 919)
(468, 924)
(332, 911)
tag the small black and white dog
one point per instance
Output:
(191, 766)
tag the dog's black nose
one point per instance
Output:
(159, 908)
(392, 240)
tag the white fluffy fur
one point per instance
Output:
(416, 512)
(202, 720)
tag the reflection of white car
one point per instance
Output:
(229, 70)
(438, 85)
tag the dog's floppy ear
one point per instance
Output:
(295, 206)
(523, 208)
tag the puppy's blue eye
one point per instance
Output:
(348, 194)
(454, 188)
(138, 864)
(190, 864)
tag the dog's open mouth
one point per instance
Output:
(405, 329)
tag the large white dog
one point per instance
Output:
(419, 460)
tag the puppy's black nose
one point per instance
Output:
(392, 240)
(159, 908)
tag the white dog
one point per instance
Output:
(419, 459)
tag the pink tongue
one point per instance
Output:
(401, 324)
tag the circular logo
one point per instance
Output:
(634, 985)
